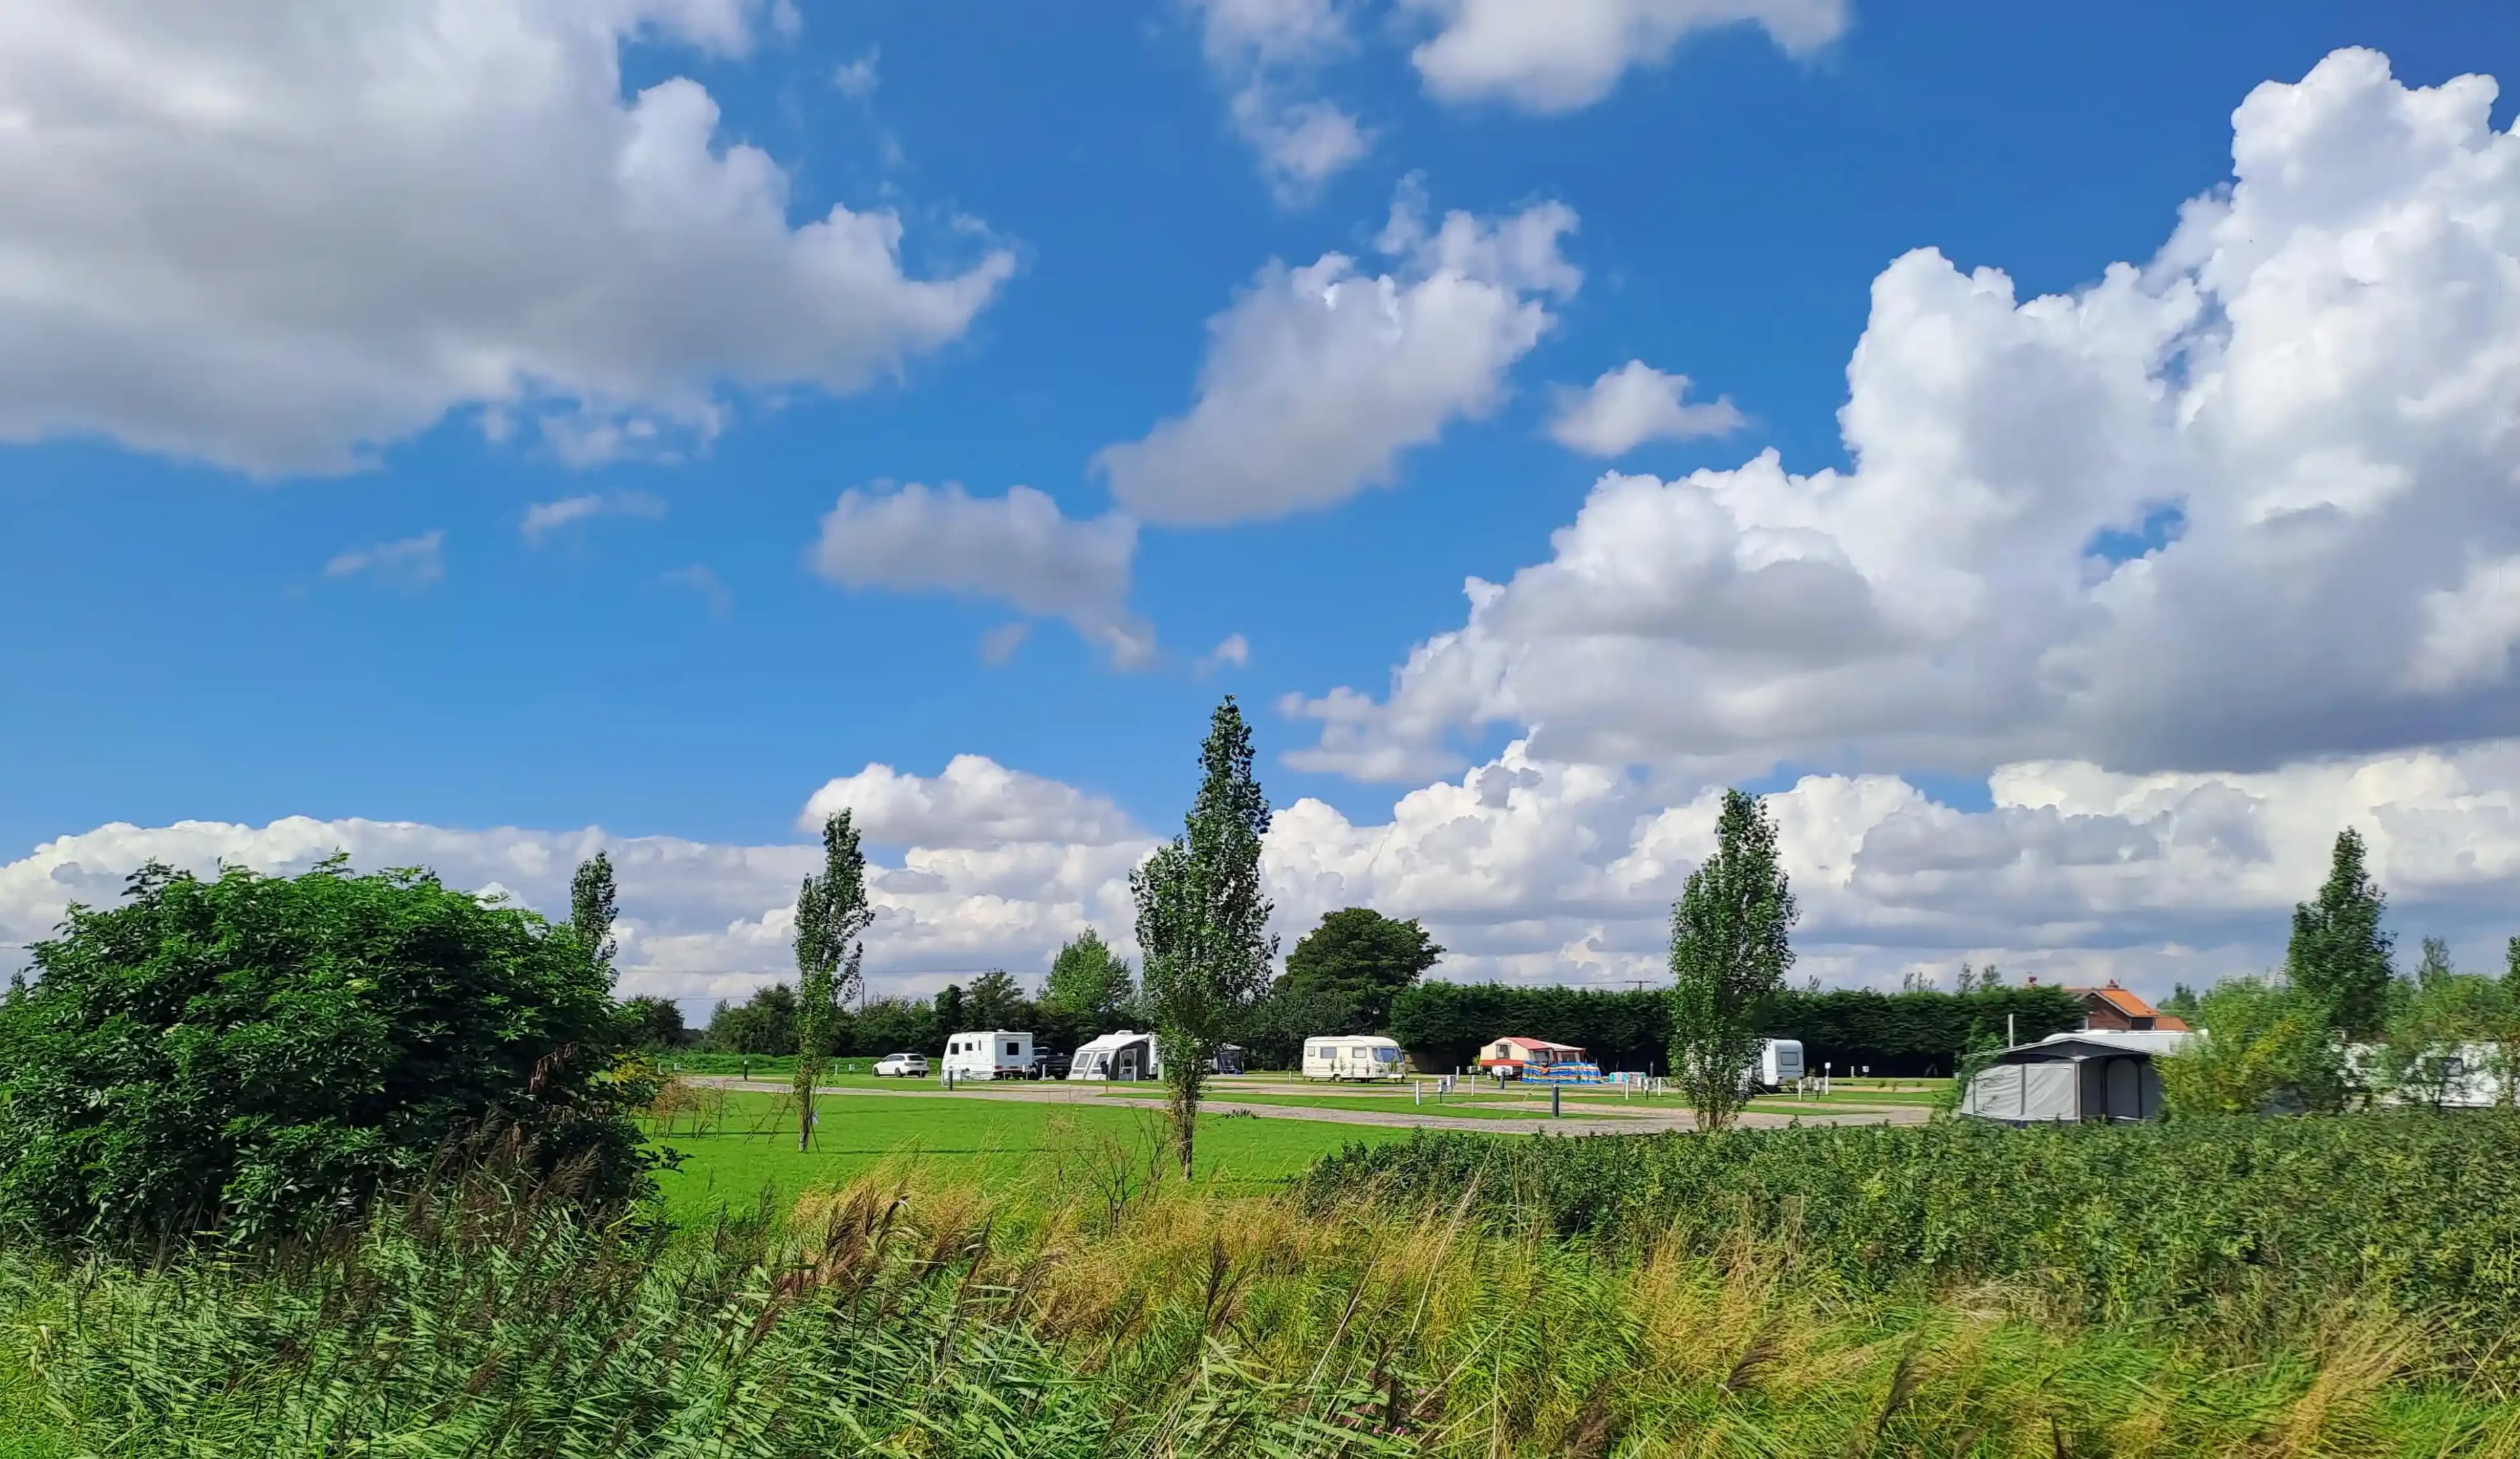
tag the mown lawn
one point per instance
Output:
(1006, 1140)
(1389, 1104)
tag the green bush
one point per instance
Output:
(2271, 1051)
(1904, 1036)
(2273, 1218)
(258, 1056)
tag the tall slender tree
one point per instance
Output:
(2434, 967)
(1203, 919)
(2339, 953)
(1729, 951)
(832, 917)
(593, 908)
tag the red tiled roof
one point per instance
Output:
(2169, 1023)
(1538, 1043)
(2128, 1004)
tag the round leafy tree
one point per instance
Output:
(260, 1055)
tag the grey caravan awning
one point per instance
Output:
(2066, 1079)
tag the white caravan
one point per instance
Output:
(1781, 1063)
(1119, 1056)
(1356, 1055)
(991, 1054)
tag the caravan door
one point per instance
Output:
(1125, 1063)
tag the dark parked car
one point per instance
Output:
(1052, 1066)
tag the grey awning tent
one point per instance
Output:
(2073, 1076)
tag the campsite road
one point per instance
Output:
(1626, 1122)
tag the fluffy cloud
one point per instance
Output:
(1524, 868)
(279, 237)
(1634, 405)
(411, 563)
(2255, 501)
(1552, 871)
(1318, 377)
(857, 78)
(543, 518)
(1267, 52)
(976, 804)
(999, 644)
(702, 579)
(1002, 883)
(1018, 549)
(1570, 53)
(1233, 652)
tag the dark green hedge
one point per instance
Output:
(1442, 1025)
(2261, 1218)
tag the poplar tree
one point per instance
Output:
(832, 917)
(593, 908)
(1202, 921)
(1729, 956)
(2339, 955)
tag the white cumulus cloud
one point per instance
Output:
(1233, 652)
(701, 581)
(858, 77)
(1634, 405)
(280, 236)
(1268, 54)
(543, 518)
(1318, 377)
(975, 804)
(409, 563)
(2309, 399)
(1018, 549)
(1568, 54)
(1524, 868)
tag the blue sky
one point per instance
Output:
(184, 653)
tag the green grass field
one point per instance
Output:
(1007, 1141)
(1387, 1104)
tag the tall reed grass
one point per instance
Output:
(1133, 1314)
(1118, 1312)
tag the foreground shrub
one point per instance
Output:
(2262, 1222)
(257, 1056)
(907, 1317)
(2271, 1050)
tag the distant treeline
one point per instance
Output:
(1442, 1025)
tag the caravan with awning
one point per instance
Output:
(1123, 1056)
(2074, 1077)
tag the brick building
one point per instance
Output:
(2109, 1008)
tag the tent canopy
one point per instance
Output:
(2073, 1076)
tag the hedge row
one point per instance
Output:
(1442, 1025)
(2270, 1219)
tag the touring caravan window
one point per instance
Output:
(1010, 1046)
(1386, 1056)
